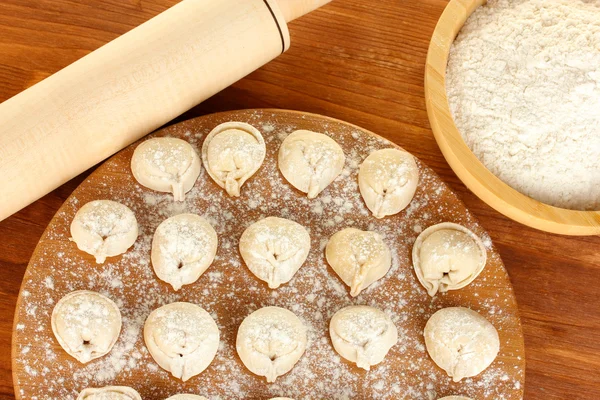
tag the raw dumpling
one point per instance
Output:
(270, 341)
(182, 338)
(461, 342)
(447, 256)
(183, 248)
(166, 165)
(455, 398)
(104, 228)
(388, 180)
(109, 393)
(358, 257)
(86, 324)
(362, 334)
(232, 153)
(187, 397)
(274, 249)
(310, 161)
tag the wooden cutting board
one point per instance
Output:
(42, 370)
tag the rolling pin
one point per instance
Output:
(108, 99)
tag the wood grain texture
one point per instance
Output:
(465, 164)
(349, 60)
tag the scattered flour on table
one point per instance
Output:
(230, 292)
(523, 83)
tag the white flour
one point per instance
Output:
(523, 84)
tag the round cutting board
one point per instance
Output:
(227, 290)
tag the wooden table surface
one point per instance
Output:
(356, 60)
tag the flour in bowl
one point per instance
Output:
(523, 83)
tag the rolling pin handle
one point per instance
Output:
(292, 9)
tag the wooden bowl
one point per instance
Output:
(465, 164)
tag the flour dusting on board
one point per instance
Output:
(230, 292)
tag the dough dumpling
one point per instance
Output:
(274, 249)
(187, 397)
(270, 341)
(358, 257)
(362, 334)
(182, 338)
(86, 324)
(183, 248)
(461, 342)
(310, 161)
(109, 393)
(388, 180)
(232, 153)
(166, 165)
(447, 256)
(104, 228)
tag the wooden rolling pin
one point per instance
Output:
(93, 108)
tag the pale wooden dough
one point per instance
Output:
(461, 342)
(187, 397)
(86, 324)
(182, 338)
(104, 228)
(388, 180)
(358, 257)
(166, 164)
(310, 161)
(183, 247)
(274, 249)
(362, 334)
(447, 256)
(231, 153)
(109, 393)
(270, 341)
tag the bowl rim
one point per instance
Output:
(464, 163)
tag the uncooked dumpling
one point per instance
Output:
(461, 342)
(362, 334)
(358, 257)
(166, 165)
(388, 180)
(232, 153)
(187, 397)
(274, 249)
(86, 324)
(183, 248)
(109, 393)
(182, 338)
(104, 228)
(310, 161)
(447, 256)
(270, 341)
